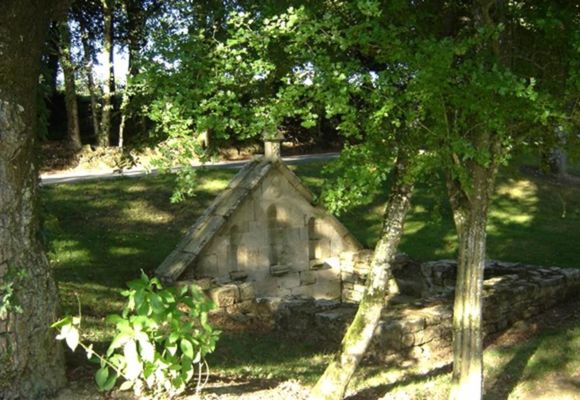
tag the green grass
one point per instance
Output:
(102, 233)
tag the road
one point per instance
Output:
(79, 176)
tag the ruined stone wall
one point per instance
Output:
(278, 241)
(417, 323)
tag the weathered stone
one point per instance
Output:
(243, 307)
(225, 295)
(247, 291)
(238, 275)
(307, 278)
(279, 270)
(203, 283)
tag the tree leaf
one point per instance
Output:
(126, 385)
(187, 348)
(72, 338)
(101, 377)
(134, 366)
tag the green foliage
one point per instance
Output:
(389, 77)
(8, 302)
(160, 339)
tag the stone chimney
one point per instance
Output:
(273, 145)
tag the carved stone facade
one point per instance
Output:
(263, 229)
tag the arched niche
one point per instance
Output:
(235, 239)
(273, 234)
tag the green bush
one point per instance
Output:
(161, 340)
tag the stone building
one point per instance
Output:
(263, 229)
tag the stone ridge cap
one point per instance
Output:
(209, 223)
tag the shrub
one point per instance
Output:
(161, 339)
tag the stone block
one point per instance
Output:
(238, 275)
(247, 291)
(318, 263)
(350, 296)
(413, 323)
(408, 340)
(203, 283)
(321, 248)
(289, 281)
(307, 278)
(243, 307)
(225, 295)
(303, 291)
(279, 270)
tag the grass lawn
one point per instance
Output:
(101, 233)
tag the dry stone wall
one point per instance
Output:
(416, 324)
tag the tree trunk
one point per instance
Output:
(333, 383)
(109, 88)
(470, 213)
(124, 116)
(70, 93)
(136, 19)
(31, 360)
(88, 67)
(51, 58)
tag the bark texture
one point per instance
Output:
(470, 211)
(31, 360)
(70, 91)
(333, 383)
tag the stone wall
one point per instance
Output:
(416, 323)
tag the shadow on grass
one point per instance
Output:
(105, 232)
(512, 372)
(379, 391)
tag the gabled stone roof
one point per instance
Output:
(224, 205)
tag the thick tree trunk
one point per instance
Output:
(31, 360)
(88, 67)
(333, 383)
(70, 93)
(470, 214)
(109, 88)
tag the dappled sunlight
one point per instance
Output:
(124, 251)
(521, 190)
(142, 211)
(516, 202)
(69, 250)
(213, 185)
